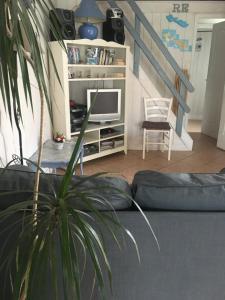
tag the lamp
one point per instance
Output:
(88, 13)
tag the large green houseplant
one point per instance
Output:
(51, 223)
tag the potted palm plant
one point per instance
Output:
(50, 223)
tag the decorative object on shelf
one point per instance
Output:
(88, 31)
(88, 13)
(59, 141)
(113, 28)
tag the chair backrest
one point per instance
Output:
(157, 109)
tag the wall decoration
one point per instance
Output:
(172, 40)
(180, 8)
(180, 22)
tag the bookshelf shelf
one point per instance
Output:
(88, 76)
(112, 137)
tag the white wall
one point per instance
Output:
(9, 143)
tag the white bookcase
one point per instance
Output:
(89, 76)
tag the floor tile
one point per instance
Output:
(205, 157)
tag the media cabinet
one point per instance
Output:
(82, 74)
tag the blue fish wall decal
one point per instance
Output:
(178, 21)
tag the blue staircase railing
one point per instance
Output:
(140, 45)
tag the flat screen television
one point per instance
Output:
(107, 106)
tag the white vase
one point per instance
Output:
(59, 146)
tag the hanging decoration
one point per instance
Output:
(172, 40)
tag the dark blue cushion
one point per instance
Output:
(115, 192)
(179, 191)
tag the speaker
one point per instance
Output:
(113, 30)
(114, 13)
(65, 21)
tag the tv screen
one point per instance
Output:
(105, 103)
(107, 106)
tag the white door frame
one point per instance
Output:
(198, 17)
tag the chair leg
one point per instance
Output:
(147, 136)
(163, 146)
(144, 143)
(170, 143)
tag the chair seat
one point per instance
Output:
(156, 125)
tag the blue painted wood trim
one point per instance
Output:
(180, 113)
(179, 123)
(153, 61)
(137, 51)
(160, 44)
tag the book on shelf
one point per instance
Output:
(106, 147)
(99, 56)
(118, 143)
(106, 56)
(73, 54)
(106, 143)
(92, 55)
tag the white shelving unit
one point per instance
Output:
(100, 76)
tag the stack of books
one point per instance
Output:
(106, 145)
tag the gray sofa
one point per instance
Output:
(190, 264)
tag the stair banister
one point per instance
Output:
(153, 61)
(137, 51)
(180, 112)
(160, 44)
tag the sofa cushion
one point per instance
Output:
(179, 191)
(115, 190)
(222, 171)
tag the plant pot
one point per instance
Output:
(59, 146)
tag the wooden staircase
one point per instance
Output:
(141, 47)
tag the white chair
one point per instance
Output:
(157, 112)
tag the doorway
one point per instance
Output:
(199, 73)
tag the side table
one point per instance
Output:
(53, 158)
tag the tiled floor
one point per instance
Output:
(205, 157)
